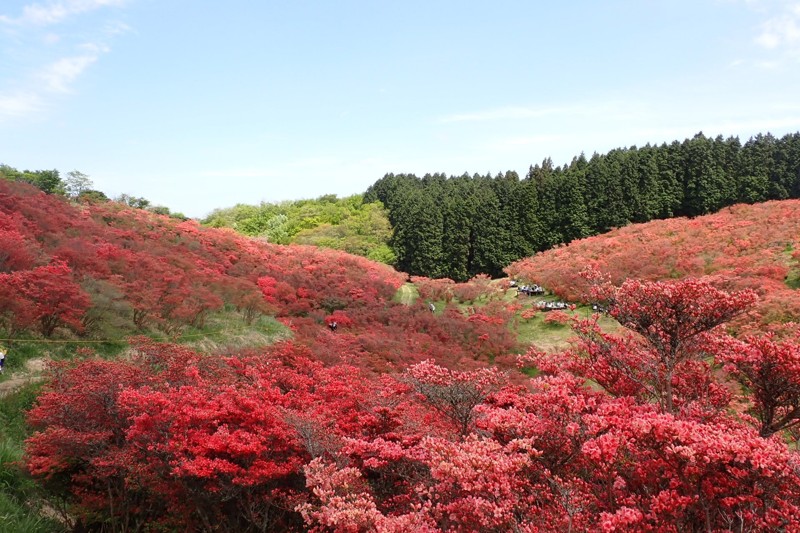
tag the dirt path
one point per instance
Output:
(407, 294)
(33, 372)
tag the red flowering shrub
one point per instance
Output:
(742, 246)
(557, 317)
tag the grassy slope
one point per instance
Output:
(20, 498)
(407, 294)
(553, 337)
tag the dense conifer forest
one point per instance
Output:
(460, 226)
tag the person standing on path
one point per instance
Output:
(3, 351)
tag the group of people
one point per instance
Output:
(530, 290)
(552, 306)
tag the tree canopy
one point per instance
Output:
(460, 226)
(348, 224)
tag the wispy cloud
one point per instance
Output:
(621, 110)
(46, 82)
(19, 104)
(59, 76)
(739, 128)
(505, 113)
(46, 14)
(780, 33)
(526, 141)
(782, 30)
(61, 60)
(115, 28)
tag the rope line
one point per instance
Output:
(107, 341)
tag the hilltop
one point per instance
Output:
(743, 246)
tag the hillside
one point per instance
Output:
(367, 403)
(106, 271)
(743, 246)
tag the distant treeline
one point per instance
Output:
(348, 224)
(460, 226)
(77, 186)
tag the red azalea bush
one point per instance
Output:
(631, 433)
(742, 246)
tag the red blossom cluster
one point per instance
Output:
(743, 246)
(557, 317)
(42, 298)
(67, 267)
(631, 433)
(394, 422)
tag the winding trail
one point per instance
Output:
(32, 373)
(407, 294)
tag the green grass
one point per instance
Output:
(551, 337)
(224, 331)
(22, 350)
(16, 517)
(12, 409)
(533, 332)
(407, 294)
(793, 279)
(20, 497)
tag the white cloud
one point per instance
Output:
(782, 31)
(116, 28)
(60, 75)
(525, 141)
(56, 11)
(61, 60)
(55, 78)
(619, 110)
(505, 113)
(19, 104)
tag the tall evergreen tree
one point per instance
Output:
(754, 171)
(458, 214)
(787, 159)
(605, 199)
(532, 231)
(508, 238)
(704, 177)
(648, 196)
(542, 177)
(670, 168)
(571, 214)
(487, 256)
(418, 232)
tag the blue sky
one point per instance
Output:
(197, 104)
